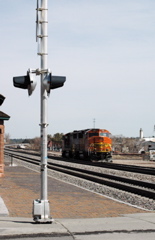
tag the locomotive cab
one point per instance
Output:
(99, 145)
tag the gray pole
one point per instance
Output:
(43, 48)
(41, 210)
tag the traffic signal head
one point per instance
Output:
(57, 81)
(2, 98)
(52, 82)
(25, 82)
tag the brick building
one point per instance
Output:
(3, 117)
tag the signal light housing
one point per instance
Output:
(2, 98)
(52, 82)
(25, 82)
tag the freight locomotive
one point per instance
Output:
(92, 144)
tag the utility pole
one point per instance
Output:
(44, 98)
(41, 209)
(94, 122)
(43, 54)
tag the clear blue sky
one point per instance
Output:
(106, 50)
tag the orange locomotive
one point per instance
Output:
(93, 144)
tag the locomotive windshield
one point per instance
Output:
(104, 134)
(101, 134)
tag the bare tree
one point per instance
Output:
(124, 145)
(7, 137)
(36, 143)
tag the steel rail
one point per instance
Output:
(116, 166)
(145, 189)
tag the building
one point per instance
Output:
(3, 117)
(146, 143)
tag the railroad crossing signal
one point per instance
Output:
(29, 82)
(52, 82)
(2, 98)
(25, 82)
(41, 212)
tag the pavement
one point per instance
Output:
(131, 226)
(112, 220)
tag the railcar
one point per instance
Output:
(93, 144)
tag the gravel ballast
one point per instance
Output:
(112, 193)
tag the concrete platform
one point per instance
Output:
(130, 226)
(77, 213)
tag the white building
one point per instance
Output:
(146, 144)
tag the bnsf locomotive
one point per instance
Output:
(92, 144)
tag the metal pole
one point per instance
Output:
(94, 122)
(44, 97)
(43, 46)
(41, 209)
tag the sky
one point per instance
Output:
(106, 50)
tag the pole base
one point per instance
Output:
(41, 211)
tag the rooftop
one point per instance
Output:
(4, 116)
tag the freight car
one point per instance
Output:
(93, 144)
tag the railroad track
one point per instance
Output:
(116, 166)
(142, 188)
